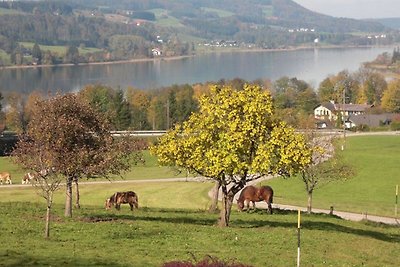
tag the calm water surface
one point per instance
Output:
(311, 65)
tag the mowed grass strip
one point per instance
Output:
(371, 191)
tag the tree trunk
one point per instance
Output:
(68, 198)
(309, 202)
(47, 228)
(227, 201)
(215, 193)
(77, 195)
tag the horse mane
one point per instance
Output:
(113, 198)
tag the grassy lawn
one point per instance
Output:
(147, 170)
(172, 224)
(372, 190)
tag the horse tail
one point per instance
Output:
(271, 193)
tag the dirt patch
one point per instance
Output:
(93, 219)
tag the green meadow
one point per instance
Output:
(221, 13)
(165, 19)
(59, 49)
(372, 190)
(7, 11)
(149, 169)
(172, 222)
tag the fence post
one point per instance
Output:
(298, 238)
(397, 197)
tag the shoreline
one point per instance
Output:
(209, 51)
(95, 63)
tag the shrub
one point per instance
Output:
(395, 126)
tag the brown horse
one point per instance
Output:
(119, 198)
(6, 176)
(254, 194)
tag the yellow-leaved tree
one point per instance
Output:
(233, 138)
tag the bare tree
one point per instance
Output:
(46, 184)
(68, 136)
(326, 166)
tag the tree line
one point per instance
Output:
(160, 109)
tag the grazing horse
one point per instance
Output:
(119, 198)
(6, 177)
(255, 194)
(28, 178)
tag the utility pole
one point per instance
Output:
(344, 117)
(167, 114)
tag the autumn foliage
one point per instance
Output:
(68, 136)
(233, 139)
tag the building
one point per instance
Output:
(373, 120)
(156, 52)
(329, 112)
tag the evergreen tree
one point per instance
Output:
(122, 118)
(37, 53)
(72, 55)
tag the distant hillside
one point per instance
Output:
(393, 23)
(133, 28)
(284, 13)
(291, 13)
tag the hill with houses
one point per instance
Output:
(125, 29)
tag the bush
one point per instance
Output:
(360, 128)
(395, 126)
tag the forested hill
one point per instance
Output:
(285, 13)
(393, 23)
(133, 28)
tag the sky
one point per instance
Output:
(357, 9)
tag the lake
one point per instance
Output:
(310, 65)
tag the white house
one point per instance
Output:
(156, 52)
(330, 111)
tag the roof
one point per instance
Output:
(372, 120)
(347, 107)
(352, 107)
(328, 105)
